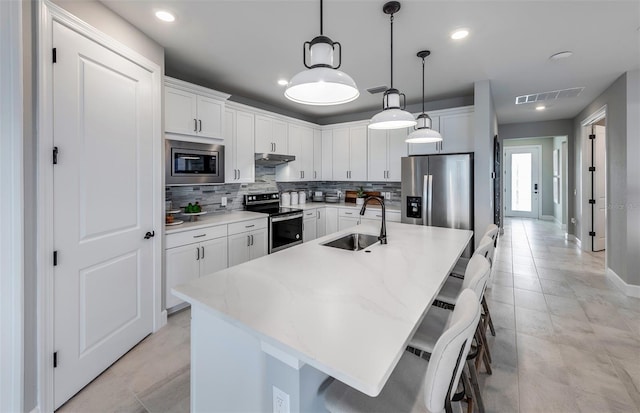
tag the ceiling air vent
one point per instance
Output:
(377, 89)
(551, 95)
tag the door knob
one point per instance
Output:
(149, 234)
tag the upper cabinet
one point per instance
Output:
(455, 126)
(349, 150)
(193, 110)
(300, 145)
(239, 153)
(271, 135)
(386, 148)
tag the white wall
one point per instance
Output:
(633, 177)
(560, 209)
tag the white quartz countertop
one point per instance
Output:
(210, 220)
(348, 314)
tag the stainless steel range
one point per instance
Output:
(285, 224)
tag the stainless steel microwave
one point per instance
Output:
(190, 163)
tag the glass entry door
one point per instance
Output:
(522, 181)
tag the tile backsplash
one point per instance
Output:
(209, 196)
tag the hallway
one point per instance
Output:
(567, 340)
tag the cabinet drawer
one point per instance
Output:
(197, 235)
(245, 226)
(310, 213)
(349, 212)
(392, 216)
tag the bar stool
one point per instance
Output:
(417, 385)
(436, 319)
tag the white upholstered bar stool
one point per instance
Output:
(437, 319)
(417, 385)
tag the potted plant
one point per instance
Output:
(360, 196)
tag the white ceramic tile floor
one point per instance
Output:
(567, 339)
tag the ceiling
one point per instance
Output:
(243, 47)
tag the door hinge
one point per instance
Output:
(592, 201)
(592, 234)
(55, 55)
(55, 258)
(592, 169)
(55, 155)
(55, 359)
(592, 136)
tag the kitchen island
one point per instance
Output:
(294, 318)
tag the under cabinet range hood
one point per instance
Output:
(272, 159)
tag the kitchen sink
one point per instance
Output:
(353, 242)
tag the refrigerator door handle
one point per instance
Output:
(429, 195)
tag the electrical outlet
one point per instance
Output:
(223, 201)
(573, 220)
(280, 401)
(387, 195)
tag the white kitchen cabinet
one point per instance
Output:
(317, 155)
(300, 145)
(193, 110)
(455, 126)
(271, 135)
(321, 222)
(247, 241)
(309, 225)
(192, 254)
(375, 216)
(331, 218)
(349, 153)
(327, 155)
(239, 148)
(385, 150)
(348, 217)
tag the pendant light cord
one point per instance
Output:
(423, 85)
(320, 17)
(391, 18)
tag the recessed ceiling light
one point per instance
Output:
(460, 34)
(165, 16)
(541, 107)
(561, 55)
(283, 82)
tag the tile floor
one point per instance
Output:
(567, 339)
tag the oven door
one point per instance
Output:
(285, 231)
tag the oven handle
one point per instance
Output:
(286, 217)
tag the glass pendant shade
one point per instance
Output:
(423, 132)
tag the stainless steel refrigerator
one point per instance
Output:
(437, 190)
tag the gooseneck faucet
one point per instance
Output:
(383, 229)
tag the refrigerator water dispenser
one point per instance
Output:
(414, 207)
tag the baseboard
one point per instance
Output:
(563, 227)
(35, 410)
(628, 289)
(548, 217)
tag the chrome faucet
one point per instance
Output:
(383, 229)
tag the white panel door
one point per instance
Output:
(180, 111)
(327, 155)
(347, 222)
(522, 181)
(264, 135)
(103, 281)
(377, 159)
(239, 245)
(244, 152)
(358, 153)
(230, 168)
(210, 112)
(292, 171)
(331, 219)
(309, 229)
(397, 149)
(259, 243)
(279, 136)
(600, 190)
(213, 256)
(306, 154)
(182, 265)
(340, 154)
(457, 133)
(317, 155)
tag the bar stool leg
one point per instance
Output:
(485, 307)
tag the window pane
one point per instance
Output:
(521, 182)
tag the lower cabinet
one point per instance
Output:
(321, 222)
(184, 263)
(248, 240)
(348, 217)
(310, 225)
(331, 219)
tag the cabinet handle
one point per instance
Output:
(275, 147)
(348, 213)
(197, 254)
(248, 240)
(200, 236)
(250, 226)
(251, 239)
(302, 174)
(317, 214)
(200, 122)
(238, 173)
(315, 175)
(202, 252)
(195, 125)
(347, 174)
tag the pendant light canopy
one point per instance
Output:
(423, 132)
(322, 84)
(393, 115)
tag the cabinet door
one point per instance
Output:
(457, 132)
(279, 135)
(340, 154)
(327, 155)
(264, 135)
(213, 256)
(306, 153)
(292, 171)
(321, 222)
(181, 265)
(347, 222)
(317, 155)
(259, 243)
(309, 230)
(397, 149)
(332, 219)
(377, 159)
(210, 117)
(230, 173)
(239, 248)
(426, 148)
(180, 113)
(244, 148)
(358, 153)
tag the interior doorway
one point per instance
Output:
(596, 159)
(523, 181)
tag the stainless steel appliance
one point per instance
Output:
(285, 224)
(437, 190)
(190, 163)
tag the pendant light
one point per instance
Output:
(393, 116)
(423, 132)
(322, 84)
